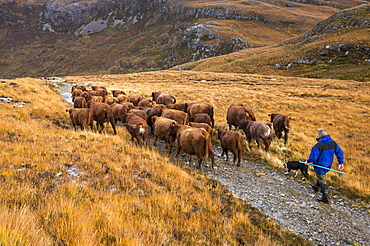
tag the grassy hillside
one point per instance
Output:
(61, 187)
(319, 53)
(340, 106)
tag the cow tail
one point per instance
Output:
(269, 135)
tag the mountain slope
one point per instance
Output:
(337, 47)
(42, 38)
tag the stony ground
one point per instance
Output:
(290, 201)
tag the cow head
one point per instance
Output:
(272, 116)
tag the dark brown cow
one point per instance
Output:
(145, 102)
(119, 112)
(161, 126)
(177, 115)
(193, 141)
(205, 126)
(281, 124)
(198, 108)
(152, 112)
(79, 102)
(233, 141)
(102, 113)
(163, 98)
(137, 128)
(258, 131)
(201, 118)
(81, 117)
(237, 113)
(115, 93)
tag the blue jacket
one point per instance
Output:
(322, 154)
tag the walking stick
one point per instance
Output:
(323, 167)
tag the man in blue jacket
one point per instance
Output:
(322, 154)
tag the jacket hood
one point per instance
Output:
(325, 139)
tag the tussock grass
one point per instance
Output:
(60, 186)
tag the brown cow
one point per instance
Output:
(97, 99)
(193, 141)
(145, 102)
(135, 99)
(179, 106)
(160, 106)
(161, 126)
(258, 131)
(198, 108)
(86, 95)
(237, 113)
(110, 100)
(163, 98)
(281, 124)
(201, 118)
(123, 98)
(137, 128)
(177, 115)
(76, 93)
(79, 87)
(205, 126)
(79, 102)
(102, 113)
(152, 112)
(139, 113)
(81, 117)
(115, 93)
(119, 112)
(233, 141)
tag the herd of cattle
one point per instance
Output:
(191, 124)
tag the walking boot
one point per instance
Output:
(315, 187)
(325, 194)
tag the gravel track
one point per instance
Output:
(291, 202)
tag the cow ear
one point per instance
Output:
(269, 115)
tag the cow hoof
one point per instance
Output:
(286, 173)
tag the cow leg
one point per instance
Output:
(286, 137)
(235, 154)
(239, 156)
(200, 159)
(267, 143)
(155, 141)
(227, 155)
(178, 150)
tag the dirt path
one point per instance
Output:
(289, 201)
(292, 203)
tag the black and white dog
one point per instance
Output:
(297, 165)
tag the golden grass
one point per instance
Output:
(60, 186)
